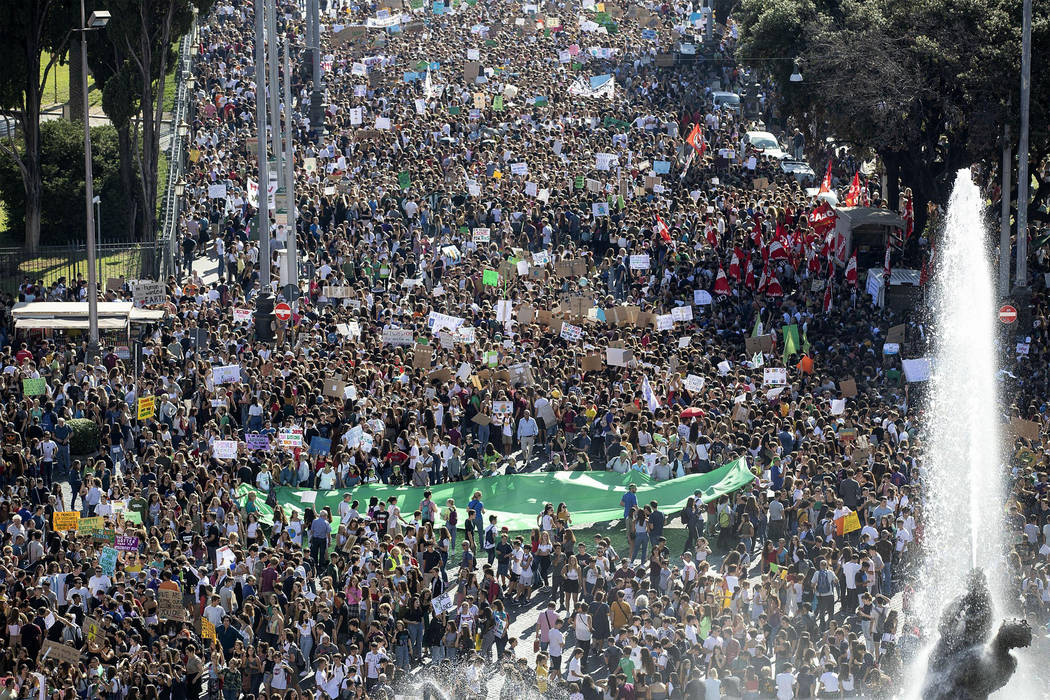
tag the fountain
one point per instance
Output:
(965, 488)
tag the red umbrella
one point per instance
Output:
(692, 412)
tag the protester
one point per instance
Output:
(597, 285)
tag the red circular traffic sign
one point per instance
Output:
(1007, 314)
(282, 311)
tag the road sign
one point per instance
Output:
(1007, 314)
(282, 311)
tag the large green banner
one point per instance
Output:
(517, 499)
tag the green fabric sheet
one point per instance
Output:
(516, 499)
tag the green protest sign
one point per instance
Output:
(497, 103)
(404, 179)
(491, 278)
(34, 387)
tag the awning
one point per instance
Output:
(104, 324)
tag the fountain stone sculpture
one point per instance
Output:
(964, 665)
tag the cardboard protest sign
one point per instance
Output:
(1021, 428)
(760, 343)
(169, 605)
(895, 334)
(848, 387)
(422, 357)
(60, 653)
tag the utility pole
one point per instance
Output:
(1022, 294)
(272, 63)
(313, 22)
(289, 173)
(264, 301)
(1004, 223)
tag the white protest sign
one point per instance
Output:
(701, 297)
(682, 313)
(519, 168)
(917, 370)
(242, 315)
(571, 333)
(290, 438)
(664, 322)
(640, 262)
(225, 374)
(693, 383)
(216, 191)
(482, 235)
(443, 603)
(838, 407)
(774, 376)
(398, 336)
(504, 310)
(148, 292)
(224, 449)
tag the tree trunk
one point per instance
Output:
(76, 92)
(31, 176)
(893, 174)
(127, 178)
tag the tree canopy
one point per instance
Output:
(926, 85)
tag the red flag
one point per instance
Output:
(721, 283)
(814, 262)
(853, 197)
(777, 251)
(662, 229)
(773, 289)
(734, 267)
(909, 218)
(822, 218)
(696, 140)
(851, 269)
(712, 236)
(762, 281)
(827, 295)
(749, 278)
(825, 184)
(886, 265)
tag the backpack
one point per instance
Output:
(823, 582)
(684, 517)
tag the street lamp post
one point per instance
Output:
(98, 20)
(264, 300)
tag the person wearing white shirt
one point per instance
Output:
(99, 582)
(556, 646)
(785, 682)
(829, 681)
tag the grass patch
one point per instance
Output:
(127, 263)
(169, 91)
(162, 179)
(56, 91)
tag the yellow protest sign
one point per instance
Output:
(146, 407)
(64, 521)
(850, 522)
(208, 630)
(87, 526)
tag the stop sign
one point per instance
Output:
(1007, 314)
(282, 311)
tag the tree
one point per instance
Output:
(925, 85)
(27, 29)
(62, 214)
(146, 30)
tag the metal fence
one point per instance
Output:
(49, 264)
(167, 242)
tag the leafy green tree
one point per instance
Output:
(926, 85)
(62, 214)
(29, 28)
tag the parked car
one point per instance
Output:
(766, 143)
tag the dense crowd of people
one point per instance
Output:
(528, 240)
